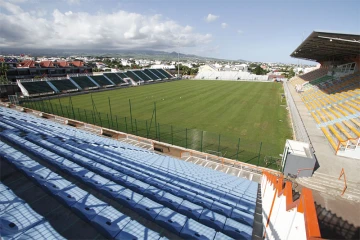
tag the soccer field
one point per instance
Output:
(251, 111)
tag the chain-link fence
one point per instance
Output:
(240, 149)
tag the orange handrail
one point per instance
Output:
(345, 184)
(305, 204)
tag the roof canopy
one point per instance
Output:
(327, 46)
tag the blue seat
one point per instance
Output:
(9, 200)
(43, 175)
(55, 185)
(88, 207)
(111, 189)
(237, 230)
(148, 208)
(128, 198)
(138, 186)
(107, 171)
(17, 220)
(42, 231)
(171, 220)
(221, 208)
(134, 230)
(190, 209)
(211, 195)
(155, 182)
(123, 179)
(110, 221)
(30, 170)
(154, 193)
(94, 180)
(203, 201)
(242, 217)
(228, 201)
(212, 219)
(186, 194)
(171, 200)
(171, 188)
(71, 195)
(246, 206)
(221, 236)
(195, 230)
(3, 187)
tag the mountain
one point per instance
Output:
(145, 54)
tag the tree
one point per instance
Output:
(4, 68)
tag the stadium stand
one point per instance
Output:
(157, 73)
(230, 75)
(107, 165)
(84, 82)
(115, 78)
(333, 103)
(331, 93)
(64, 85)
(133, 76)
(165, 73)
(102, 81)
(122, 75)
(151, 75)
(142, 75)
(38, 88)
(19, 220)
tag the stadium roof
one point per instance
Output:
(327, 46)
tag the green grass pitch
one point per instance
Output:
(251, 111)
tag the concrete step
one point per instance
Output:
(332, 184)
(350, 195)
(326, 176)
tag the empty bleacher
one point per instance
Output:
(142, 75)
(102, 81)
(133, 76)
(115, 78)
(157, 73)
(84, 82)
(187, 200)
(122, 75)
(165, 73)
(64, 85)
(39, 87)
(151, 74)
(19, 220)
(334, 104)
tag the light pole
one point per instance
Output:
(178, 76)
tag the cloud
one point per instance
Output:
(210, 17)
(224, 25)
(239, 31)
(73, 2)
(81, 30)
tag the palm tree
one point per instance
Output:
(3, 73)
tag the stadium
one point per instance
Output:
(142, 154)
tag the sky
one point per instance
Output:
(253, 30)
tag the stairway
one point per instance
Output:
(258, 225)
(331, 185)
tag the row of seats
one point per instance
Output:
(335, 107)
(105, 218)
(19, 220)
(38, 87)
(101, 80)
(92, 82)
(137, 201)
(149, 188)
(84, 82)
(64, 85)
